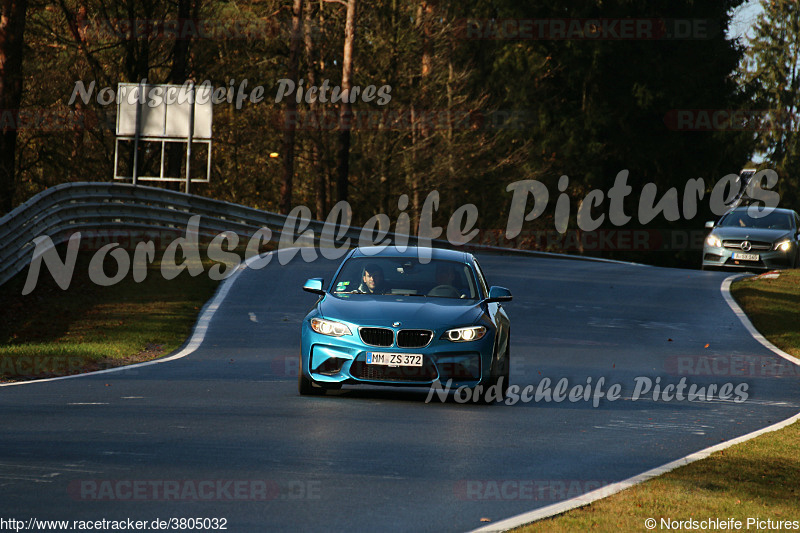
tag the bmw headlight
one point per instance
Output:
(472, 333)
(713, 240)
(783, 246)
(329, 327)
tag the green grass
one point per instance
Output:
(758, 478)
(52, 332)
(773, 306)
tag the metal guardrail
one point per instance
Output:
(65, 209)
(60, 211)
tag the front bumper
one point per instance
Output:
(721, 257)
(342, 360)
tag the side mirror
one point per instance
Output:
(499, 294)
(314, 285)
(710, 224)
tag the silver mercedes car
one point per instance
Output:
(767, 242)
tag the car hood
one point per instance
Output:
(410, 311)
(753, 234)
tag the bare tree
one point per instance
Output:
(177, 76)
(318, 173)
(12, 31)
(345, 108)
(290, 115)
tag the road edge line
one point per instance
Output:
(194, 342)
(726, 293)
(608, 490)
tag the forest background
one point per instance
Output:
(483, 94)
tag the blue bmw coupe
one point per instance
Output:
(406, 318)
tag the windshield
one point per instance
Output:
(740, 219)
(405, 276)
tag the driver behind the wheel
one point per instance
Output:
(446, 275)
(372, 280)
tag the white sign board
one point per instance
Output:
(164, 114)
(165, 111)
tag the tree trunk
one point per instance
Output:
(320, 184)
(290, 117)
(180, 51)
(177, 76)
(12, 31)
(420, 132)
(345, 108)
(137, 51)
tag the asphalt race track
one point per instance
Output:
(223, 433)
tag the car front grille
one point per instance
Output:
(414, 338)
(377, 336)
(754, 245)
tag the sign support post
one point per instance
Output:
(189, 138)
(138, 132)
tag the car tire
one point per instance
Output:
(498, 378)
(305, 386)
(484, 388)
(506, 375)
(501, 376)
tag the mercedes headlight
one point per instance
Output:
(783, 246)
(329, 327)
(472, 333)
(713, 240)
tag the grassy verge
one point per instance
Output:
(758, 478)
(773, 306)
(53, 332)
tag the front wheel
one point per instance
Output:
(500, 379)
(497, 387)
(506, 375)
(305, 386)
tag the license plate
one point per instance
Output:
(394, 359)
(746, 257)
